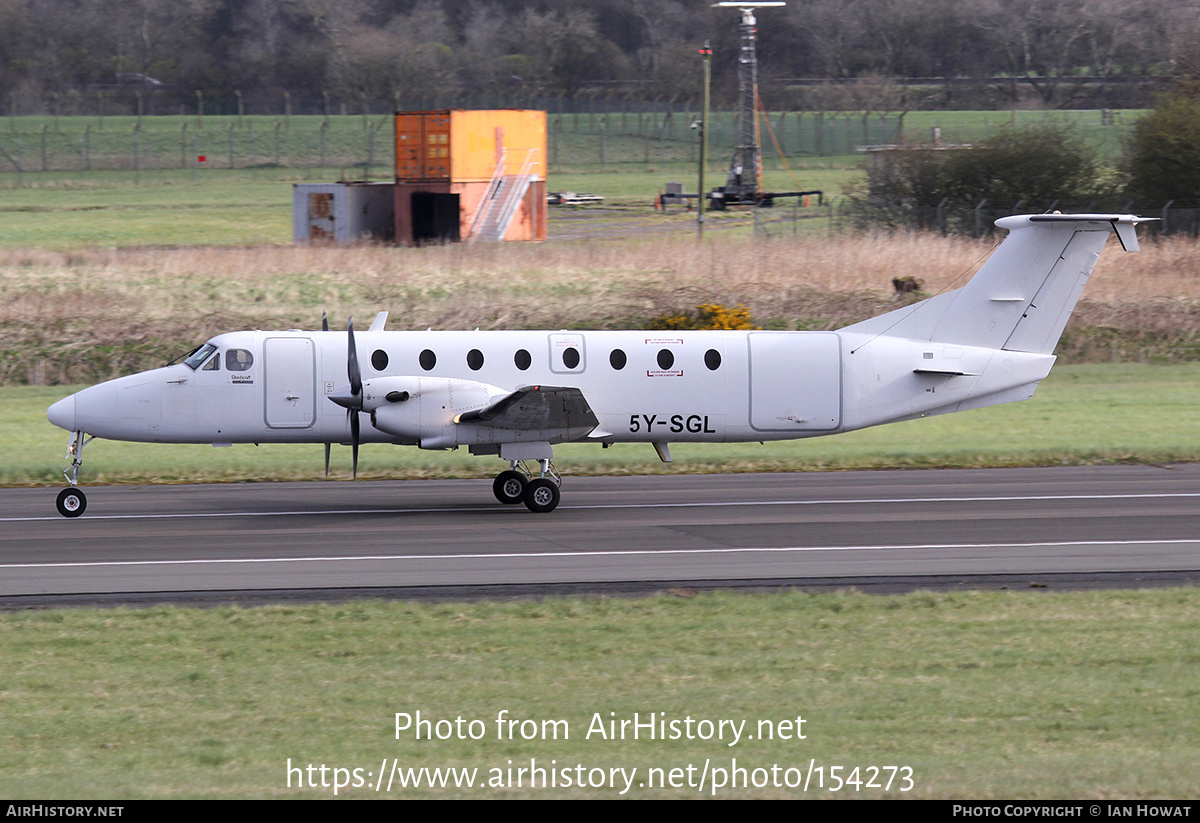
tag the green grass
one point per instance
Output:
(1081, 414)
(253, 207)
(982, 695)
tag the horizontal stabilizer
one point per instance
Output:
(946, 372)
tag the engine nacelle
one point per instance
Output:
(423, 410)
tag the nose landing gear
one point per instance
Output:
(71, 501)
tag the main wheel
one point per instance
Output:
(509, 487)
(541, 495)
(71, 502)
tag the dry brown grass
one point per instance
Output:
(70, 316)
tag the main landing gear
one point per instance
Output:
(518, 485)
(72, 502)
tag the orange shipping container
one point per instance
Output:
(462, 146)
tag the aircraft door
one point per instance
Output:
(795, 381)
(290, 390)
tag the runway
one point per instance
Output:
(1113, 525)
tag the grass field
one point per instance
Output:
(254, 207)
(982, 695)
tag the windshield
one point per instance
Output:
(199, 355)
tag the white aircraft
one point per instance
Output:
(515, 394)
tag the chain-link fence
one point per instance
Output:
(226, 143)
(636, 133)
(978, 220)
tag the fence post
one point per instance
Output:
(370, 153)
(276, 142)
(1166, 219)
(941, 215)
(979, 219)
(231, 127)
(87, 147)
(183, 147)
(44, 147)
(603, 133)
(137, 155)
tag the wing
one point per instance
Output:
(537, 408)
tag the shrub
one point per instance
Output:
(1164, 152)
(1036, 165)
(706, 316)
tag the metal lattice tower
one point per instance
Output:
(745, 171)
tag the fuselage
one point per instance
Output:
(643, 386)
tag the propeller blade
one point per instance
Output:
(354, 441)
(324, 321)
(355, 391)
(352, 364)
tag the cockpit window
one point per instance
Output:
(199, 356)
(238, 360)
(214, 364)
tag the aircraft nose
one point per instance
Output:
(62, 413)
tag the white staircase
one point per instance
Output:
(499, 205)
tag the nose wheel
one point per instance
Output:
(71, 502)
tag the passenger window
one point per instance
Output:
(523, 359)
(617, 359)
(712, 359)
(428, 360)
(666, 359)
(379, 360)
(238, 360)
(475, 359)
(570, 357)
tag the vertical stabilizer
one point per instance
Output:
(1022, 297)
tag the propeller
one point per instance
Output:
(352, 400)
(325, 327)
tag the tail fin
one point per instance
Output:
(1021, 298)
